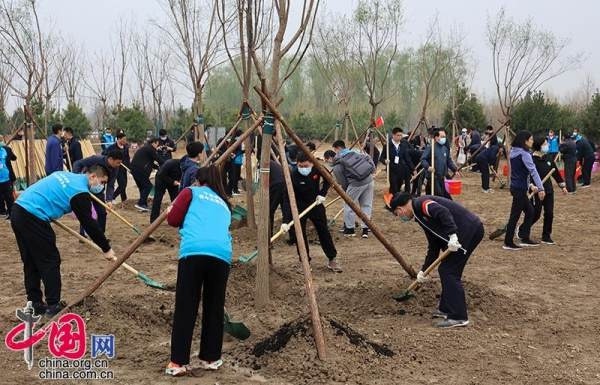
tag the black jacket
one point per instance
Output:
(85, 164)
(308, 187)
(275, 174)
(162, 148)
(445, 217)
(125, 150)
(402, 152)
(144, 160)
(169, 172)
(568, 149)
(74, 148)
(584, 149)
(543, 167)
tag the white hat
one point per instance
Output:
(464, 130)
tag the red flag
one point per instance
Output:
(379, 122)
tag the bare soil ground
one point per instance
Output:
(534, 312)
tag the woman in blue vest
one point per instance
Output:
(522, 170)
(203, 215)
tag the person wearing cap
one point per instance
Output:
(461, 142)
(398, 160)
(190, 164)
(447, 226)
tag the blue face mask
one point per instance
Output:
(442, 141)
(404, 218)
(97, 189)
(304, 170)
(545, 148)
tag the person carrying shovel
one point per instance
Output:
(203, 215)
(447, 226)
(47, 200)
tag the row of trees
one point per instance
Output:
(344, 64)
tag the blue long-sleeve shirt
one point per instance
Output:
(522, 167)
(54, 155)
(84, 164)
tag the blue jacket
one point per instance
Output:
(238, 159)
(50, 197)
(189, 168)
(107, 141)
(54, 155)
(522, 167)
(82, 165)
(443, 161)
(552, 144)
(5, 166)
(489, 155)
(205, 229)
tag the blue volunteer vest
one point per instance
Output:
(4, 173)
(205, 229)
(50, 198)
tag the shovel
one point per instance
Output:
(235, 329)
(408, 293)
(332, 221)
(252, 255)
(500, 179)
(143, 277)
(502, 230)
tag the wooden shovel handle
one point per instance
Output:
(430, 268)
(112, 211)
(543, 180)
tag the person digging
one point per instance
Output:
(447, 225)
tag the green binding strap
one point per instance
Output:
(246, 112)
(199, 119)
(269, 124)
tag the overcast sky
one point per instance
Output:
(90, 22)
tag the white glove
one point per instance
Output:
(320, 199)
(285, 228)
(421, 277)
(453, 244)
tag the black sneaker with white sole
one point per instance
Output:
(511, 246)
(439, 314)
(528, 243)
(548, 241)
(365, 233)
(349, 232)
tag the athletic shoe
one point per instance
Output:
(141, 208)
(235, 194)
(528, 243)
(585, 185)
(365, 233)
(7, 218)
(176, 370)
(452, 323)
(333, 266)
(439, 314)
(39, 308)
(349, 233)
(511, 246)
(211, 365)
(548, 241)
(53, 310)
(486, 191)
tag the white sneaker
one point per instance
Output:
(211, 365)
(141, 208)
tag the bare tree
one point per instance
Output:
(524, 58)
(99, 83)
(192, 28)
(141, 75)
(22, 48)
(72, 76)
(6, 74)
(121, 53)
(376, 35)
(54, 68)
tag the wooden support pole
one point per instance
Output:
(30, 160)
(126, 254)
(250, 217)
(215, 151)
(235, 145)
(308, 282)
(432, 165)
(327, 176)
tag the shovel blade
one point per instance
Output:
(150, 282)
(235, 329)
(248, 258)
(404, 296)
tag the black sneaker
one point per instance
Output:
(548, 241)
(511, 246)
(528, 243)
(39, 308)
(349, 232)
(365, 233)
(53, 310)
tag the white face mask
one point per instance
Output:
(442, 141)
(163, 138)
(304, 170)
(545, 148)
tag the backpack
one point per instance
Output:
(357, 166)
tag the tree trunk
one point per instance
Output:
(249, 177)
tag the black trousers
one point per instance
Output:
(122, 184)
(452, 300)
(398, 176)
(234, 178)
(142, 181)
(570, 167)
(548, 206)
(206, 277)
(417, 185)
(484, 167)
(318, 217)
(586, 170)
(277, 193)
(41, 260)
(160, 187)
(100, 211)
(439, 187)
(6, 196)
(520, 204)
